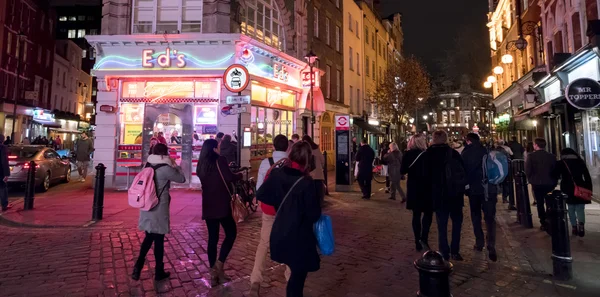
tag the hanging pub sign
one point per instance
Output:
(583, 93)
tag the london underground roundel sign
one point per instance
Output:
(236, 78)
(583, 93)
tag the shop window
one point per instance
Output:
(266, 123)
(170, 16)
(132, 115)
(262, 21)
(326, 139)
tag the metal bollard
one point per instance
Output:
(98, 193)
(434, 275)
(559, 228)
(511, 188)
(523, 207)
(29, 187)
(325, 171)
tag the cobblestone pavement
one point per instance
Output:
(374, 257)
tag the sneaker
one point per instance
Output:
(457, 257)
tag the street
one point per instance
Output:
(374, 254)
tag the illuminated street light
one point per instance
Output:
(507, 59)
(491, 79)
(425, 117)
(487, 84)
(498, 70)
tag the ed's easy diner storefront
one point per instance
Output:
(173, 84)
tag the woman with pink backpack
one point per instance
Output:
(156, 221)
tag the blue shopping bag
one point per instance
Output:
(324, 234)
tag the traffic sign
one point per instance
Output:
(236, 78)
(238, 99)
(342, 122)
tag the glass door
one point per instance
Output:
(175, 123)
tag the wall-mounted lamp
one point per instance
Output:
(498, 70)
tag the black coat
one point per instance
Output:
(540, 168)
(435, 159)
(365, 157)
(293, 240)
(517, 149)
(229, 151)
(472, 157)
(416, 184)
(578, 172)
(216, 201)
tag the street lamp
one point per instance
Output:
(530, 96)
(507, 59)
(487, 84)
(311, 58)
(425, 117)
(498, 70)
(491, 79)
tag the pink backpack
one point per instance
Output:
(142, 192)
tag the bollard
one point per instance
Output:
(325, 171)
(434, 275)
(30, 187)
(559, 228)
(524, 213)
(98, 193)
(511, 188)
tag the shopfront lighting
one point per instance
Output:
(373, 122)
(491, 79)
(507, 59)
(498, 70)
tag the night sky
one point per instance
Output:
(435, 28)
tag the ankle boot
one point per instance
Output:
(581, 230)
(254, 290)
(160, 272)
(137, 269)
(223, 278)
(214, 277)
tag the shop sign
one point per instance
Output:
(273, 96)
(157, 90)
(342, 122)
(236, 78)
(280, 72)
(238, 99)
(583, 93)
(306, 79)
(39, 114)
(231, 110)
(209, 129)
(163, 60)
(205, 114)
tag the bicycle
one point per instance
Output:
(378, 171)
(245, 188)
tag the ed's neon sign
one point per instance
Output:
(163, 60)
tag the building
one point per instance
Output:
(518, 60)
(27, 49)
(166, 75)
(353, 62)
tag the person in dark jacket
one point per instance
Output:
(384, 149)
(445, 204)
(393, 159)
(365, 157)
(292, 192)
(215, 176)
(417, 199)
(4, 174)
(517, 149)
(573, 171)
(540, 170)
(479, 200)
(228, 149)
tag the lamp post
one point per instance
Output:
(17, 90)
(311, 58)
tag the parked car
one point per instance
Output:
(50, 167)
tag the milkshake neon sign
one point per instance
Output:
(163, 60)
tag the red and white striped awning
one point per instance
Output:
(170, 100)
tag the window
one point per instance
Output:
(91, 18)
(328, 81)
(84, 53)
(373, 41)
(81, 18)
(25, 50)
(358, 101)
(373, 69)
(62, 19)
(64, 79)
(72, 18)
(350, 22)
(327, 35)
(351, 94)
(80, 33)
(337, 3)
(576, 31)
(351, 58)
(72, 34)
(262, 22)
(9, 43)
(39, 57)
(337, 38)
(366, 35)
(18, 47)
(357, 64)
(43, 22)
(356, 25)
(367, 66)
(47, 58)
(93, 32)
(338, 81)
(161, 16)
(316, 23)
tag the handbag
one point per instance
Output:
(238, 209)
(580, 192)
(324, 234)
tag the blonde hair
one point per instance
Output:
(394, 146)
(417, 142)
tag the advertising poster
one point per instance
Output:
(132, 131)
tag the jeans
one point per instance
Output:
(478, 204)
(539, 193)
(506, 190)
(295, 286)
(396, 187)
(442, 217)
(421, 226)
(365, 186)
(82, 168)
(576, 213)
(159, 250)
(260, 260)
(3, 194)
(230, 229)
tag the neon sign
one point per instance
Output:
(280, 72)
(163, 60)
(157, 90)
(273, 96)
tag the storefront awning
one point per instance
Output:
(47, 123)
(541, 109)
(319, 105)
(522, 115)
(365, 126)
